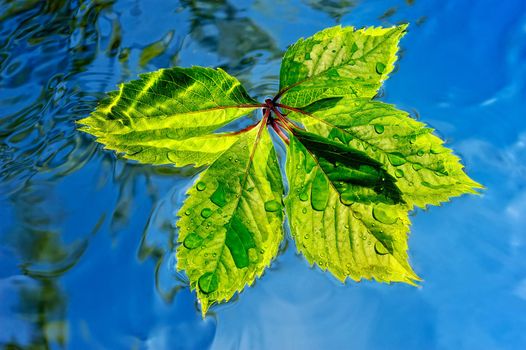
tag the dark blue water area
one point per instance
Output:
(87, 238)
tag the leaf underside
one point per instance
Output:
(355, 167)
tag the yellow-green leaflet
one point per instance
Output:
(350, 240)
(166, 117)
(355, 167)
(230, 225)
(338, 62)
(426, 171)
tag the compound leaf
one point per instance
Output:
(338, 62)
(163, 117)
(356, 240)
(230, 225)
(427, 172)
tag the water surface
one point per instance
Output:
(86, 238)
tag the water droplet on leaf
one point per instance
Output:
(384, 216)
(380, 67)
(272, 206)
(206, 212)
(201, 186)
(192, 240)
(380, 249)
(208, 282)
(417, 166)
(379, 128)
(396, 158)
(219, 196)
(399, 173)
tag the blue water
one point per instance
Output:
(86, 259)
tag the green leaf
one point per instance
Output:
(163, 117)
(426, 171)
(356, 240)
(230, 225)
(353, 174)
(338, 62)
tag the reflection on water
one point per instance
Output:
(87, 238)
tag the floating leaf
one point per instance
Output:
(338, 61)
(242, 229)
(355, 167)
(166, 117)
(345, 238)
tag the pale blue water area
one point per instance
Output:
(86, 253)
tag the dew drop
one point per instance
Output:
(306, 236)
(192, 240)
(346, 226)
(380, 67)
(420, 152)
(206, 212)
(187, 213)
(304, 196)
(379, 128)
(396, 158)
(399, 173)
(363, 237)
(304, 210)
(346, 200)
(208, 282)
(396, 136)
(219, 196)
(272, 206)
(380, 249)
(417, 166)
(384, 216)
(201, 186)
